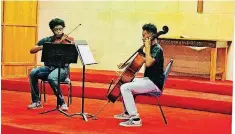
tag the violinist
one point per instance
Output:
(49, 71)
(151, 82)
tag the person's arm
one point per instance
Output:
(35, 49)
(38, 46)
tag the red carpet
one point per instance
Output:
(186, 83)
(211, 103)
(173, 96)
(176, 82)
(17, 119)
(12, 130)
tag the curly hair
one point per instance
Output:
(150, 28)
(55, 22)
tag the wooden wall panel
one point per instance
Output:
(14, 71)
(1, 12)
(2, 44)
(17, 42)
(19, 34)
(20, 13)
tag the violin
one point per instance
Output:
(65, 39)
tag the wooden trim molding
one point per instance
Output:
(200, 6)
(19, 25)
(17, 64)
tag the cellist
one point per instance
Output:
(151, 82)
(49, 71)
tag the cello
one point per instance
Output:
(129, 73)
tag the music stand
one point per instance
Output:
(86, 58)
(59, 54)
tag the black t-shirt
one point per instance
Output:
(155, 72)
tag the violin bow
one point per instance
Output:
(74, 29)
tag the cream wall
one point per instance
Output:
(113, 29)
(230, 66)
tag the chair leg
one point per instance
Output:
(162, 111)
(40, 94)
(44, 91)
(134, 96)
(70, 93)
(68, 96)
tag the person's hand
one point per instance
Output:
(147, 43)
(40, 47)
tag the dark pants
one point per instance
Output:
(51, 75)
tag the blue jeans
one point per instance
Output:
(50, 74)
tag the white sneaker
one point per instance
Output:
(131, 123)
(64, 107)
(35, 105)
(122, 116)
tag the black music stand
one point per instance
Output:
(86, 58)
(59, 54)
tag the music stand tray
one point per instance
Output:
(86, 58)
(60, 54)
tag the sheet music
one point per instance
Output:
(85, 52)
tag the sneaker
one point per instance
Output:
(64, 107)
(122, 116)
(67, 80)
(131, 123)
(35, 105)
